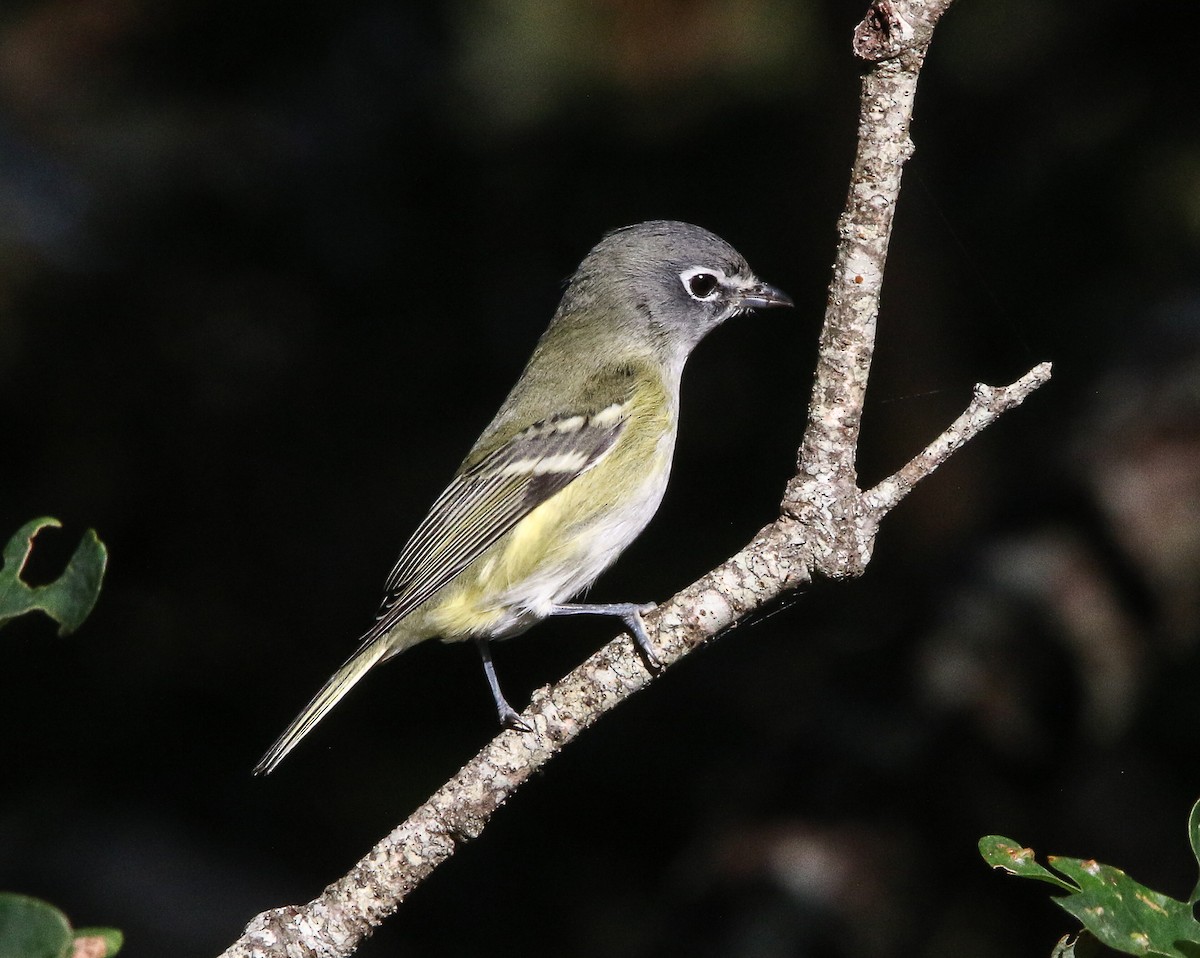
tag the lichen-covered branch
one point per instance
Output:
(827, 526)
(823, 495)
(347, 911)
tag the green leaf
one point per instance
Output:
(30, 928)
(112, 939)
(70, 598)
(1194, 838)
(1007, 855)
(1118, 911)
(1126, 915)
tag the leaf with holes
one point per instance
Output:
(1126, 915)
(1007, 855)
(70, 598)
(1118, 911)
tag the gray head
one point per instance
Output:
(673, 280)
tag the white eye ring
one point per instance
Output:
(696, 282)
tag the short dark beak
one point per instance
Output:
(760, 295)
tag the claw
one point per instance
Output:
(511, 720)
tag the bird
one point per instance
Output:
(571, 468)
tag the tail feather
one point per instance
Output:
(341, 682)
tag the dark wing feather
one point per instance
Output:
(486, 500)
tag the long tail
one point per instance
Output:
(341, 682)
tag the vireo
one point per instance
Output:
(572, 467)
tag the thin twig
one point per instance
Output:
(987, 404)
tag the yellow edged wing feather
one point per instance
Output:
(486, 500)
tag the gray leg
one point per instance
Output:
(508, 715)
(630, 613)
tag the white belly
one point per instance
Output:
(586, 553)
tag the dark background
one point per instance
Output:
(267, 269)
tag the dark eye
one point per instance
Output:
(702, 285)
